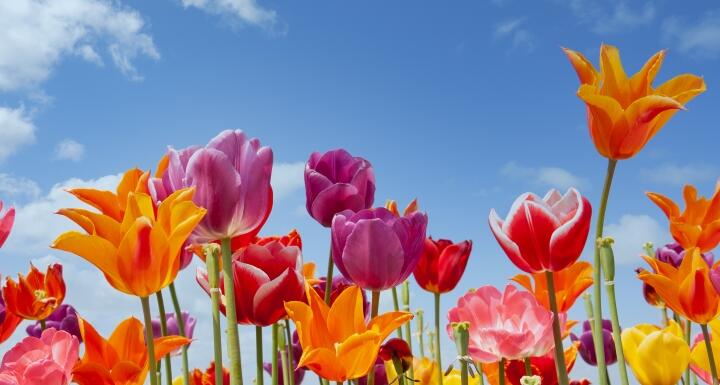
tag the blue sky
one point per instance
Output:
(463, 106)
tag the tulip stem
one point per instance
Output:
(396, 307)
(181, 328)
(374, 304)
(231, 315)
(275, 372)
(42, 325)
(528, 367)
(597, 330)
(711, 356)
(688, 334)
(259, 355)
(437, 339)
(407, 326)
(665, 319)
(559, 353)
(211, 262)
(290, 354)
(479, 367)
(164, 331)
(421, 332)
(152, 362)
(284, 354)
(329, 277)
(501, 371)
(610, 288)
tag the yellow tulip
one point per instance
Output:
(699, 361)
(657, 356)
(425, 373)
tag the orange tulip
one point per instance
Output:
(121, 359)
(625, 113)
(409, 209)
(36, 296)
(112, 204)
(337, 342)
(140, 253)
(699, 224)
(687, 290)
(570, 283)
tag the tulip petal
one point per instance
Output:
(269, 298)
(585, 70)
(349, 302)
(359, 352)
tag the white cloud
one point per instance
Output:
(544, 176)
(287, 178)
(12, 186)
(513, 30)
(700, 37)
(604, 18)
(247, 11)
(679, 175)
(631, 232)
(70, 150)
(16, 128)
(36, 34)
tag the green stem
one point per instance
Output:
(396, 307)
(421, 332)
(329, 277)
(610, 288)
(274, 353)
(528, 367)
(437, 339)
(42, 325)
(688, 334)
(259, 356)
(597, 330)
(481, 374)
(152, 362)
(374, 304)
(290, 354)
(211, 262)
(163, 329)
(501, 371)
(398, 370)
(284, 354)
(663, 313)
(557, 334)
(181, 327)
(407, 327)
(711, 356)
(231, 315)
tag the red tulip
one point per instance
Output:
(442, 264)
(544, 234)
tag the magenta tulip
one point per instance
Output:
(544, 234)
(336, 181)
(6, 223)
(376, 249)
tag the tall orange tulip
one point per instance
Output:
(122, 359)
(337, 342)
(111, 204)
(140, 253)
(570, 283)
(625, 113)
(699, 224)
(687, 290)
(36, 296)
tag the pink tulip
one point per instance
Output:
(48, 360)
(510, 325)
(6, 223)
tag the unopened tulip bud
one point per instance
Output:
(607, 257)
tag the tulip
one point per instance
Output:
(36, 296)
(338, 344)
(379, 374)
(587, 347)
(173, 327)
(265, 277)
(699, 224)
(409, 209)
(6, 223)
(656, 356)
(8, 322)
(123, 358)
(570, 283)
(673, 254)
(207, 377)
(111, 205)
(509, 325)
(339, 284)
(624, 114)
(336, 181)
(45, 360)
(296, 350)
(441, 264)
(64, 318)
(376, 249)
(541, 366)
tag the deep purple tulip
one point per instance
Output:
(380, 374)
(336, 181)
(231, 176)
(376, 249)
(63, 318)
(587, 347)
(673, 254)
(296, 351)
(173, 328)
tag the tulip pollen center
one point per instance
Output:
(40, 294)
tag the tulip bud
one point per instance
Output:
(607, 257)
(649, 249)
(398, 351)
(530, 380)
(462, 336)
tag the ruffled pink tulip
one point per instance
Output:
(47, 360)
(510, 325)
(545, 234)
(6, 223)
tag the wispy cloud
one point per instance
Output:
(700, 37)
(246, 11)
(514, 32)
(287, 178)
(674, 174)
(16, 130)
(631, 232)
(69, 149)
(611, 17)
(555, 177)
(13, 186)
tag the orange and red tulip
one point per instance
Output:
(699, 224)
(121, 359)
(8, 321)
(687, 289)
(625, 113)
(111, 204)
(570, 283)
(36, 296)
(338, 344)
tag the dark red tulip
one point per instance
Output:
(442, 264)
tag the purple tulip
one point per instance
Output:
(380, 374)
(2, 309)
(587, 347)
(296, 351)
(376, 249)
(674, 254)
(340, 283)
(173, 329)
(63, 318)
(231, 176)
(336, 181)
